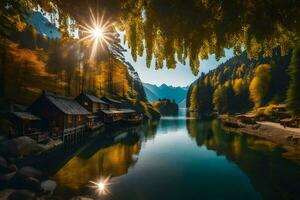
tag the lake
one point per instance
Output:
(178, 158)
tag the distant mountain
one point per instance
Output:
(154, 92)
(43, 25)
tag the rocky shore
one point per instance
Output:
(24, 182)
(18, 182)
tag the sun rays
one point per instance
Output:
(99, 32)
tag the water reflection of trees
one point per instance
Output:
(111, 161)
(169, 125)
(110, 154)
(149, 129)
(270, 174)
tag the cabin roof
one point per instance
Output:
(282, 105)
(94, 98)
(66, 105)
(110, 100)
(26, 116)
(248, 115)
(119, 111)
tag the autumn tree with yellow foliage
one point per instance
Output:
(259, 85)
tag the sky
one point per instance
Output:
(180, 76)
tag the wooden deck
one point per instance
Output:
(72, 134)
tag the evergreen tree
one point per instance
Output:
(293, 94)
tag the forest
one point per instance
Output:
(72, 101)
(241, 84)
(166, 107)
(198, 28)
(32, 62)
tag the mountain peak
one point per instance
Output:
(153, 92)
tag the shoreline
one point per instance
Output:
(271, 131)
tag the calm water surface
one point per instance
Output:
(177, 158)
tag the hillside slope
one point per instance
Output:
(236, 85)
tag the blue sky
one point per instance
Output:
(180, 76)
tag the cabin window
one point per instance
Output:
(86, 103)
(69, 119)
(79, 118)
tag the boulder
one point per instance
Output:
(4, 194)
(19, 181)
(3, 165)
(12, 168)
(20, 146)
(22, 195)
(5, 179)
(48, 186)
(33, 185)
(30, 172)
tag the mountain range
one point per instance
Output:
(154, 92)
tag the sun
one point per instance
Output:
(101, 186)
(99, 32)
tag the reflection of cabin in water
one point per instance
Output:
(61, 115)
(113, 115)
(113, 104)
(92, 103)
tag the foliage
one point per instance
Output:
(259, 85)
(62, 67)
(293, 95)
(148, 109)
(179, 30)
(227, 89)
(166, 106)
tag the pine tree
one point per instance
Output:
(293, 94)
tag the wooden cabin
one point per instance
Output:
(249, 118)
(290, 122)
(113, 104)
(280, 108)
(110, 116)
(24, 122)
(91, 102)
(63, 116)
